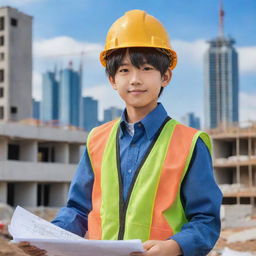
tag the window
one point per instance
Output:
(1, 40)
(43, 194)
(14, 22)
(14, 110)
(1, 92)
(13, 152)
(1, 112)
(1, 56)
(10, 193)
(1, 23)
(1, 75)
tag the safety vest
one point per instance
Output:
(153, 209)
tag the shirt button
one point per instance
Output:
(130, 171)
(139, 124)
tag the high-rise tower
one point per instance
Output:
(70, 96)
(221, 80)
(15, 65)
(50, 97)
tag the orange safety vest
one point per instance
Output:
(153, 209)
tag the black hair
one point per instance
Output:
(138, 56)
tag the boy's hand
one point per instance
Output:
(30, 249)
(160, 248)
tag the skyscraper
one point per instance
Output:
(50, 94)
(15, 65)
(90, 113)
(221, 81)
(112, 113)
(70, 97)
(191, 120)
(36, 109)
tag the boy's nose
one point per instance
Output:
(135, 78)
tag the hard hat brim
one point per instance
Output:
(171, 54)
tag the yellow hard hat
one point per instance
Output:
(138, 29)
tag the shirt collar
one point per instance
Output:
(152, 122)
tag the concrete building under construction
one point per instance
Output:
(37, 163)
(235, 163)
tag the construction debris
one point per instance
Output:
(229, 252)
(233, 216)
(242, 236)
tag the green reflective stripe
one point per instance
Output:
(110, 189)
(177, 209)
(141, 205)
(88, 147)
(207, 140)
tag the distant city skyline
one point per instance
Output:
(59, 38)
(82, 26)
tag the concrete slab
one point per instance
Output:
(229, 252)
(242, 236)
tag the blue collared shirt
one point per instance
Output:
(200, 195)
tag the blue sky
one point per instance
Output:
(68, 27)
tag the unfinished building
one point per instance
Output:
(235, 163)
(37, 163)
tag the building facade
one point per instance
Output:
(221, 83)
(69, 97)
(234, 160)
(15, 65)
(49, 107)
(37, 163)
(36, 109)
(191, 120)
(89, 113)
(112, 113)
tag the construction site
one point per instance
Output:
(235, 163)
(38, 160)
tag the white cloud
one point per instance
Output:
(247, 59)
(190, 52)
(58, 47)
(247, 106)
(106, 96)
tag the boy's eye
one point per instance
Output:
(123, 70)
(148, 68)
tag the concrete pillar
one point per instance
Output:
(3, 149)
(58, 194)
(238, 175)
(28, 150)
(3, 192)
(250, 147)
(61, 153)
(25, 194)
(74, 153)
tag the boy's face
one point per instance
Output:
(139, 88)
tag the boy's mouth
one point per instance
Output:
(136, 92)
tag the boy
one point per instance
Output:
(144, 176)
